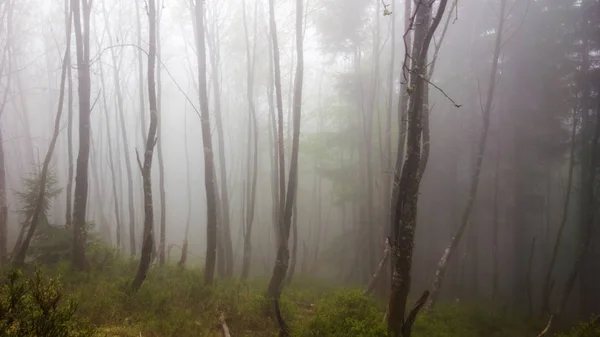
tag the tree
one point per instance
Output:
(252, 131)
(45, 180)
(209, 164)
(121, 113)
(285, 219)
(82, 41)
(148, 234)
(486, 112)
(407, 177)
(161, 165)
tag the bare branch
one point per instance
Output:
(548, 326)
(137, 155)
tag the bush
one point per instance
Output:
(35, 307)
(346, 313)
(590, 328)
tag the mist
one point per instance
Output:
(435, 147)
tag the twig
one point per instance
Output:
(161, 64)
(547, 329)
(137, 155)
(441, 90)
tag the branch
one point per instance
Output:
(137, 155)
(441, 90)
(410, 320)
(161, 64)
(545, 331)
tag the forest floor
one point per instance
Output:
(174, 302)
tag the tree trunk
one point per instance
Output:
(283, 255)
(253, 126)
(123, 127)
(21, 253)
(495, 274)
(292, 270)
(224, 223)
(148, 234)
(407, 179)
(547, 287)
(184, 248)
(443, 263)
(3, 201)
(209, 165)
(82, 40)
(140, 74)
(69, 191)
(590, 199)
(159, 150)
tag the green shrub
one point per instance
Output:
(35, 308)
(590, 328)
(345, 313)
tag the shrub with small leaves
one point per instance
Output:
(35, 307)
(590, 328)
(346, 313)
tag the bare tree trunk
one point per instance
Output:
(407, 179)
(21, 253)
(148, 234)
(3, 202)
(547, 287)
(140, 75)
(590, 215)
(69, 191)
(184, 248)
(443, 263)
(224, 223)
(209, 164)
(82, 40)
(292, 270)
(111, 164)
(283, 254)
(159, 150)
(123, 127)
(253, 126)
(495, 274)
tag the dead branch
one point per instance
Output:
(410, 320)
(545, 331)
(224, 327)
(382, 263)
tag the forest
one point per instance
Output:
(337, 168)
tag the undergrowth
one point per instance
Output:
(174, 302)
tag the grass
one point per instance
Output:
(174, 302)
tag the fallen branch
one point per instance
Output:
(545, 331)
(224, 327)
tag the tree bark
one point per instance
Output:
(159, 150)
(140, 74)
(209, 164)
(252, 127)
(3, 201)
(120, 108)
(82, 40)
(547, 287)
(184, 249)
(148, 234)
(407, 179)
(69, 191)
(224, 223)
(283, 254)
(21, 253)
(443, 263)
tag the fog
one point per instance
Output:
(530, 188)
